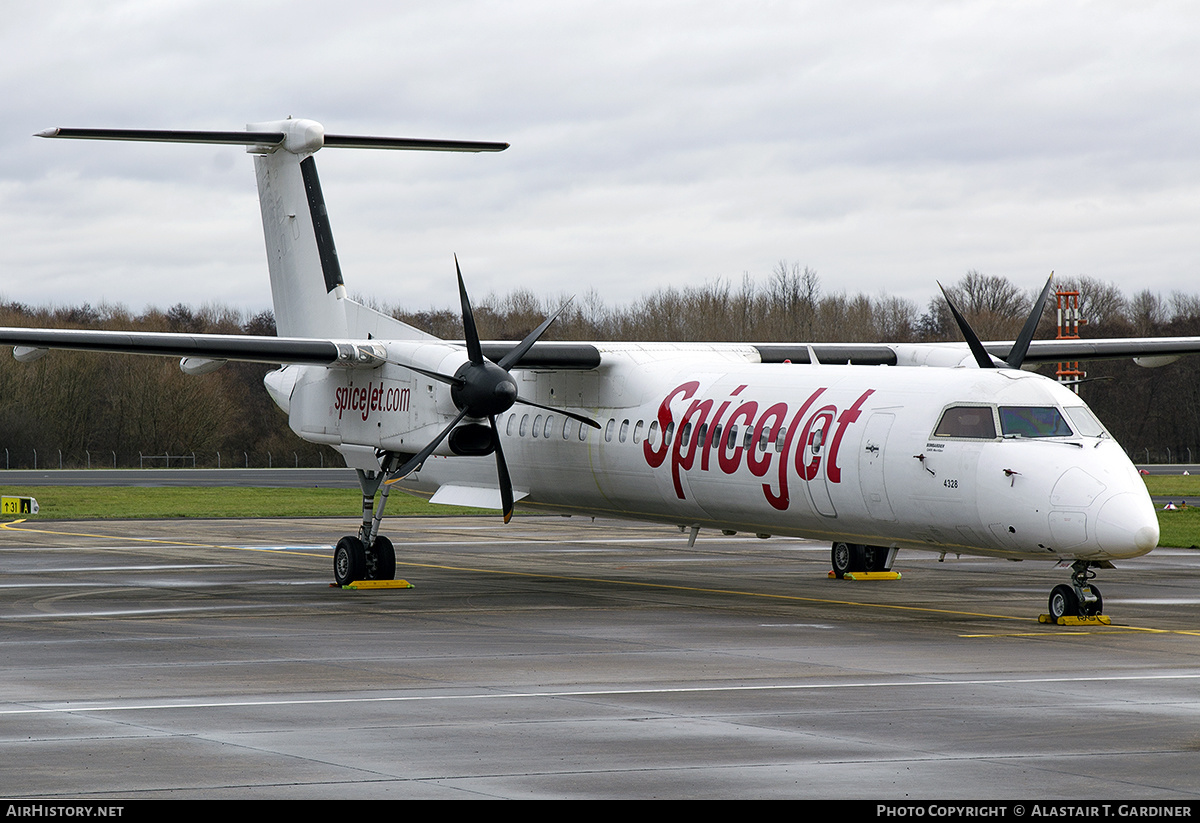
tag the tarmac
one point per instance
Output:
(565, 658)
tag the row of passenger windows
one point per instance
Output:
(550, 425)
(969, 422)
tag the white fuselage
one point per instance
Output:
(699, 437)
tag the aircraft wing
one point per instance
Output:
(543, 354)
(1163, 349)
(1051, 351)
(209, 346)
(274, 350)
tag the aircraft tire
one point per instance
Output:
(1063, 602)
(846, 557)
(349, 561)
(385, 558)
(874, 558)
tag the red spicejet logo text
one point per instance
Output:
(369, 398)
(808, 461)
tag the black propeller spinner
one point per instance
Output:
(483, 389)
(1020, 348)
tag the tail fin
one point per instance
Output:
(306, 280)
(307, 290)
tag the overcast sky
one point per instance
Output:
(886, 145)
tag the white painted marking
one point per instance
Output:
(147, 568)
(487, 696)
(132, 612)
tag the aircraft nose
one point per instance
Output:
(1127, 525)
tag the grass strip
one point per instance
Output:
(152, 502)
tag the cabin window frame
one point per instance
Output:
(995, 435)
(1062, 421)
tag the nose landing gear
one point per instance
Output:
(1079, 602)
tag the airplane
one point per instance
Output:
(873, 448)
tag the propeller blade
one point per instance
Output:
(525, 345)
(1021, 347)
(506, 491)
(589, 421)
(423, 455)
(474, 350)
(981, 356)
(432, 375)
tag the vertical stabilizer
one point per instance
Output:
(306, 280)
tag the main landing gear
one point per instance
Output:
(1081, 598)
(367, 555)
(854, 557)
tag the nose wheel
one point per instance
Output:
(1081, 598)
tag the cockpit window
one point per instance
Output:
(1085, 422)
(975, 422)
(1033, 421)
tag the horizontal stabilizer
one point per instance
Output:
(270, 138)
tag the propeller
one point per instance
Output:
(483, 389)
(1020, 348)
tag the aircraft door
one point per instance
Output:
(871, 466)
(816, 444)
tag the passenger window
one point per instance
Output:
(975, 422)
(549, 423)
(566, 427)
(583, 431)
(512, 419)
(669, 432)
(537, 425)
(524, 424)
(608, 430)
(624, 431)
(652, 435)
(637, 431)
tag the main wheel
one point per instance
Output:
(1063, 602)
(349, 561)
(875, 558)
(846, 557)
(385, 559)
